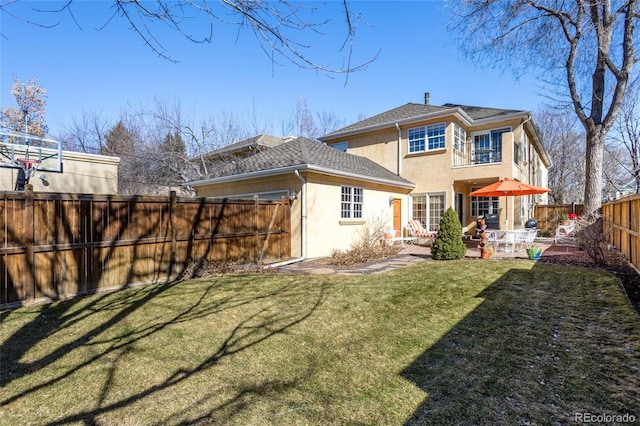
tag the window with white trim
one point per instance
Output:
(459, 138)
(487, 146)
(427, 138)
(483, 205)
(428, 209)
(352, 199)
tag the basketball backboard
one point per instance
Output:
(16, 147)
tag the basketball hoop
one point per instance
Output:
(29, 166)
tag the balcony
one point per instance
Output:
(474, 156)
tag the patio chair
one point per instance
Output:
(420, 233)
(392, 236)
(526, 237)
(508, 241)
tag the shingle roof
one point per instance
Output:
(412, 110)
(255, 141)
(307, 153)
(480, 113)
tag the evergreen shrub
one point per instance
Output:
(449, 245)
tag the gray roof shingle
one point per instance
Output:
(413, 110)
(306, 152)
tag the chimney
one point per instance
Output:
(426, 98)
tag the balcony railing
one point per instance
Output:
(470, 156)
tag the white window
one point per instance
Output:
(483, 205)
(428, 209)
(427, 138)
(459, 138)
(340, 146)
(487, 146)
(352, 199)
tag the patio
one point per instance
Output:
(548, 245)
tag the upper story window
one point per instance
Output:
(459, 138)
(352, 199)
(340, 146)
(427, 138)
(487, 146)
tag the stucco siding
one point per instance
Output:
(82, 174)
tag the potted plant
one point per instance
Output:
(534, 252)
(486, 251)
(564, 219)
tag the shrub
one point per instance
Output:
(366, 248)
(593, 241)
(449, 245)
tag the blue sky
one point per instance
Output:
(105, 71)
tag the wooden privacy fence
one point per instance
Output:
(61, 245)
(621, 222)
(548, 216)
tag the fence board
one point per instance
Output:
(60, 245)
(621, 221)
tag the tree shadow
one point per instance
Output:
(522, 356)
(254, 328)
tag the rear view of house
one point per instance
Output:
(449, 151)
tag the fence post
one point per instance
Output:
(256, 239)
(29, 236)
(172, 229)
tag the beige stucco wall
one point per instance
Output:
(434, 171)
(326, 231)
(81, 174)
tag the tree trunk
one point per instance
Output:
(593, 186)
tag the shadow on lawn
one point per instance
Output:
(540, 348)
(257, 326)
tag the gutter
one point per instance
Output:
(399, 168)
(287, 169)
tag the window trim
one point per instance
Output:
(351, 209)
(494, 156)
(459, 138)
(425, 141)
(428, 222)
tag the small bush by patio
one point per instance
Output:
(449, 245)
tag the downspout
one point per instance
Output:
(303, 227)
(399, 168)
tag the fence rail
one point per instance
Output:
(61, 245)
(621, 221)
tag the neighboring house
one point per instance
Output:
(59, 170)
(449, 151)
(334, 195)
(236, 151)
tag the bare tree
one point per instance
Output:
(565, 146)
(623, 147)
(584, 43)
(300, 122)
(327, 122)
(86, 133)
(278, 27)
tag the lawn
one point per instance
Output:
(455, 342)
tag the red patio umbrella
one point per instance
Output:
(508, 188)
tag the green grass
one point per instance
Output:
(458, 342)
